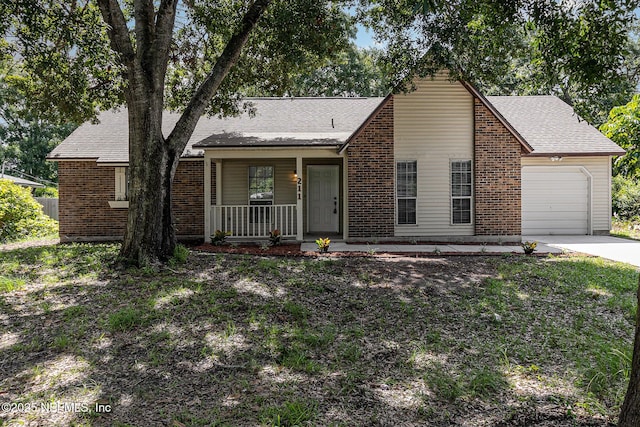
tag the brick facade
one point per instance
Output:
(371, 177)
(85, 190)
(188, 198)
(497, 176)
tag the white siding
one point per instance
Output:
(600, 170)
(434, 125)
(235, 180)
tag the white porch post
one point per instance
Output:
(299, 198)
(207, 198)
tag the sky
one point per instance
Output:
(364, 37)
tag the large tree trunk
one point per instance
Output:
(630, 412)
(153, 159)
(150, 234)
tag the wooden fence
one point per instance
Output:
(49, 206)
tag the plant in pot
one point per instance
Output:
(219, 237)
(275, 237)
(529, 247)
(323, 244)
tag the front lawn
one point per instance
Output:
(249, 340)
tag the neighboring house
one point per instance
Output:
(440, 163)
(21, 181)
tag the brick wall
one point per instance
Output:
(83, 209)
(85, 190)
(370, 178)
(497, 176)
(188, 198)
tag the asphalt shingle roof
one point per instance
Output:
(551, 126)
(277, 122)
(546, 123)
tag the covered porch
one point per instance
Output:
(299, 191)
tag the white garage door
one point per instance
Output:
(555, 200)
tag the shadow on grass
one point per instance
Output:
(233, 340)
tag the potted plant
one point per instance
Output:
(219, 237)
(323, 244)
(529, 247)
(275, 237)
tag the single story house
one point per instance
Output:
(440, 163)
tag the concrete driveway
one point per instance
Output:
(612, 248)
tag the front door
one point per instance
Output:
(323, 204)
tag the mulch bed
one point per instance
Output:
(254, 249)
(293, 250)
(286, 250)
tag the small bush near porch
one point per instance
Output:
(250, 340)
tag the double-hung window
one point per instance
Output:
(122, 183)
(406, 191)
(461, 191)
(260, 192)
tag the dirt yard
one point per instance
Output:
(243, 340)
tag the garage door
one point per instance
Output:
(555, 200)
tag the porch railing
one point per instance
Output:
(254, 221)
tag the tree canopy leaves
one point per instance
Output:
(354, 72)
(26, 135)
(67, 70)
(623, 127)
(576, 50)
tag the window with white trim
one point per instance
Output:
(261, 186)
(406, 191)
(461, 191)
(122, 183)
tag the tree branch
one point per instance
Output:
(230, 55)
(165, 22)
(117, 31)
(145, 28)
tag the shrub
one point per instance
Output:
(625, 195)
(50, 192)
(219, 237)
(529, 247)
(20, 215)
(323, 244)
(275, 237)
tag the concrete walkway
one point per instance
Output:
(449, 248)
(613, 248)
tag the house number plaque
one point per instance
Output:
(299, 188)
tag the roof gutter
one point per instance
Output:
(574, 154)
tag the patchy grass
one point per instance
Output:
(625, 228)
(247, 340)
(125, 319)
